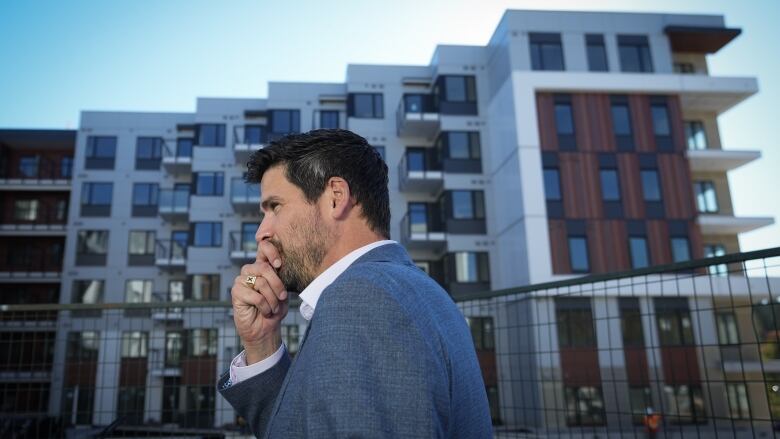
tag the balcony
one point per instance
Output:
(38, 219)
(420, 232)
(248, 139)
(33, 259)
(40, 174)
(170, 254)
(416, 173)
(718, 160)
(731, 225)
(417, 116)
(174, 204)
(167, 313)
(244, 197)
(178, 160)
(243, 249)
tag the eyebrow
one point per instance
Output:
(269, 200)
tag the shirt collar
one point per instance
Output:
(311, 294)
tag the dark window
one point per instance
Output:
(66, 167)
(83, 346)
(130, 405)
(634, 53)
(641, 400)
(471, 267)
(207, 234)
(145, 194)
(415, 159)
(610, 185)
(681, 251)
(284, 121)
(135, 344)
(78, 403)
(329, 119)
(674, 323)
(204, 287)
(459, 89)
(575, 323)
(621, 119)
(597, 53)
(463, 145)
(728, 334)
(202, 343)
(684, 404)
(467, 205)
(254, 134)
(94, 242)
(564, 123)
(291, 337)
(713, 251)
(184, 147)
(739, 404)
(695, 135)
(28, 166)
(418, 217)
(148, 152)
(88, 291)
(706, 198)
(651, 186)
(413, 103)
(631, 323)
(640, 257)
(96, 194)
(141, 242)
(366, 105)
(381, 151)
(683, 67)
(101, 152)
(660, 115)
(211, 134)
(26, 210)
(552, 184)
(209, 183)
(578, 254)
(482, 333)
(546, 52)
(248, 232)
(584, 406)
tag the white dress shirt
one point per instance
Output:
(239, 371)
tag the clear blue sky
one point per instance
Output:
(61, 57)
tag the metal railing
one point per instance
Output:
(583, 357)
(244, 193)
(45, 216)
(43, 168)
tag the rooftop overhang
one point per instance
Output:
(718, 160)
(39, 139)
(731, 225)
(695, 39)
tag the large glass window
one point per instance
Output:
(96, 194)
(291, 337)
(285, 121)
(211, 134)
(546, 51)
(575, 323)
(254, 134)
(684, 404)
(641, 400)
(209, 183)
(135, 344)
(148, 152)
(88, 291)
(101, 147)
(640, 256)
(138, 291)
(141, 242)
(93, 242)
(706, 197)
(26, 210)
(367, 105)
(83, 346)
(766, 321)
(621, 119)
(145, 194)
(651, 186)
(552, 184)
(28, 166)
(329, 119)
(695, 135)
(130, 405)
(205, 287)
(728, 334)
(634, 53)
(248, 232)
(459, 89)
(468, 205)
(418, 217)
(184, 147)
(564, 117)
(660, 114)
(578, 254)
(471, 267)
(610, 184)
(713, 251)
(482, 333)
(463, 145)
(674, 326)
(174, 346)
(631, 323)
(202, 342)
(739, 406)
(681, 250)
(584, 406)
(207, 234)
(597, 53)
(66, 167)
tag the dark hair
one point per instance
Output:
(314, 157)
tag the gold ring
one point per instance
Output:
(250, 281)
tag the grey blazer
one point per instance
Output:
(387, 354)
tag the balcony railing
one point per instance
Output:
(578, 357)
(420, 232)
(248, 139)
(44, 218)
(170, 254)
(417, 116)
(427, 178)
(176, 161)
(244, 197)
(243, 247)
(167, 312)
(44, 174)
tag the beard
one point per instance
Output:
(303, 254)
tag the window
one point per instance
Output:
(415, 159)
(83, 346)
(381, 151)
(61, 210)
(209, 183)
(141, 242)
(463, 145)
(366, 105)
(207, 234)
(284, 122)
(738, 400)
(674, 322)
(184, 147)
(482, 333)
(683, 67)
(138, 291)
(610, 185)
(660, 114)
(93, 242)
(148, 152)
(680, 249)
(631, 323)
(597, 53)
(634, 53)
(248, 242)
(202, 342)
(575, 323)
(329, 119)
(145, 198)
(204, 287)
(621, 123)
(640, 257)
(713, 251)
(28, 166)
(211, 134)
(684, 404)
(66, 167)
(88, 291)
(578, 254)
(468, 205)
(134, 344)
(564, 123)
(173, 348)
(695, 135)
(290, 337)
(651, 187)
(728, 334)
(471, 267)
(641, 400)
(254, 134)
(706, 198)
(584, 406)
(77, 403)
(459, 89)
(25, 210)
(546, 51)
(130, 405)
(418, 218)
(552, 184)
(96, 194)
(101, 152)
(766, 321)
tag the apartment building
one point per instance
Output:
(572, 143)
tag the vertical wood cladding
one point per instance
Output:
(581, 184)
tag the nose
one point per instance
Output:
(264, 230)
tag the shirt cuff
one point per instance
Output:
(239, 371)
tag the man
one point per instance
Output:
(386, 352)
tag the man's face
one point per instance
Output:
(294, 227)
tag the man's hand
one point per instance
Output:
(258, 310)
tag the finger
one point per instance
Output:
(268, 252)
(270, 275)
(245, 296)
(263, 288)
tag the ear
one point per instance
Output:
(338, 197)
